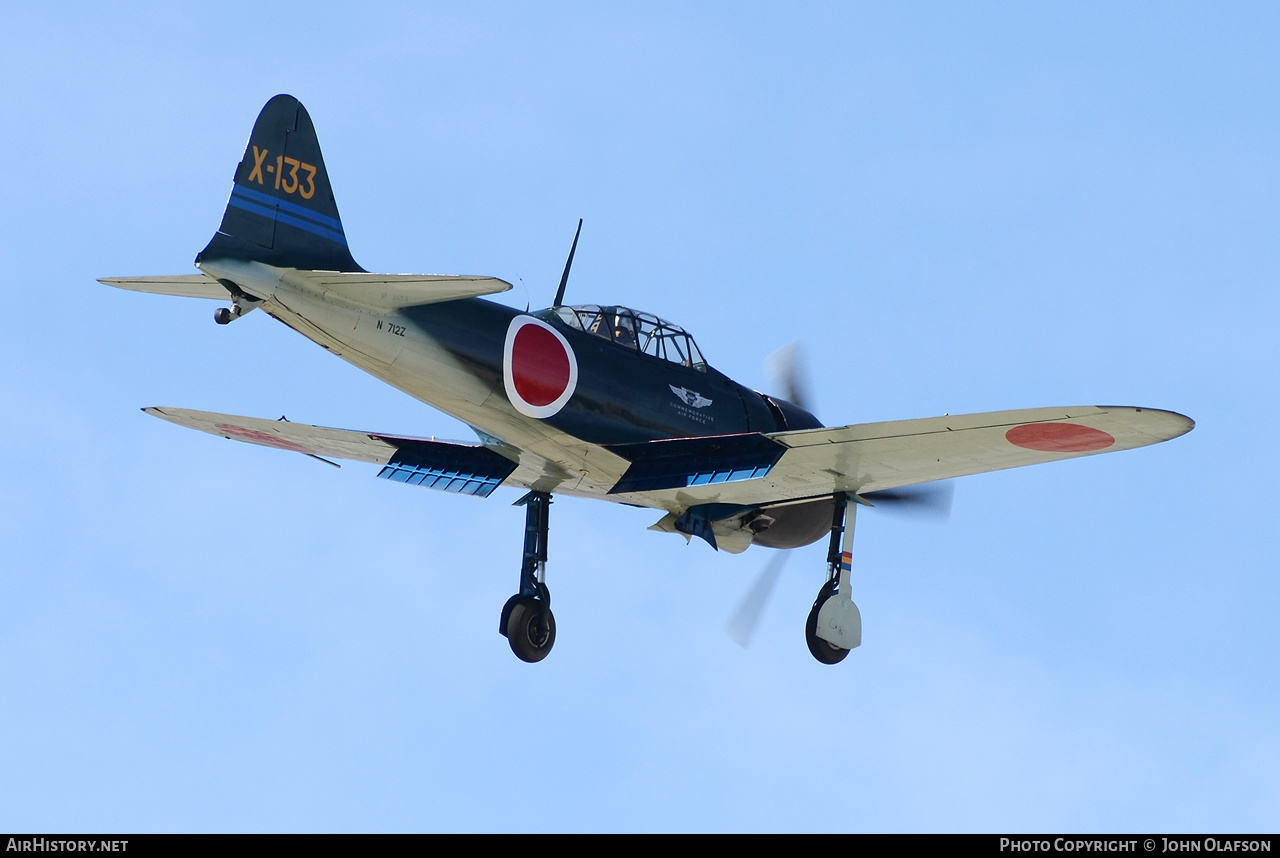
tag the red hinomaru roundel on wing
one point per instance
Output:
(539, 368)
(266, 439)
(1059, 438)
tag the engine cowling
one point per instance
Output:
(788, 415)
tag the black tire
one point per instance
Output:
(531, 630)
(505, 619)
(824, 651)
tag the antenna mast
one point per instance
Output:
(564, 278)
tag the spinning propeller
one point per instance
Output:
(926, 501)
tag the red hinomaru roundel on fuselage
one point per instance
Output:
(539, 368)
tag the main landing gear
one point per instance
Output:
(835, 626)
(527, 620)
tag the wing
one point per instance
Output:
(464, 468)
(756, 469)
(750, 469)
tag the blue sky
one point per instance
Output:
(955, 207)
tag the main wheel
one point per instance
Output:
(531, 629)
(824, 651)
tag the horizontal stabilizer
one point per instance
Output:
(448, 466)
(396, 291)
(381, 292)
(181, 285)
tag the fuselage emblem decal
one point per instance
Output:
(690, 397)
(539, 368)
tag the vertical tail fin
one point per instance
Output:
(282, 211)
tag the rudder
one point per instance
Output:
(282, 210)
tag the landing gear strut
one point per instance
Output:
(527, 621)
(835, 626)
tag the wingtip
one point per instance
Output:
(1175, 425)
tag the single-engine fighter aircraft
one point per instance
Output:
(589, 400)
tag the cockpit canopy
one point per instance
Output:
(643, 332)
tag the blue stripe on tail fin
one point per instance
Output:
(282, 211)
